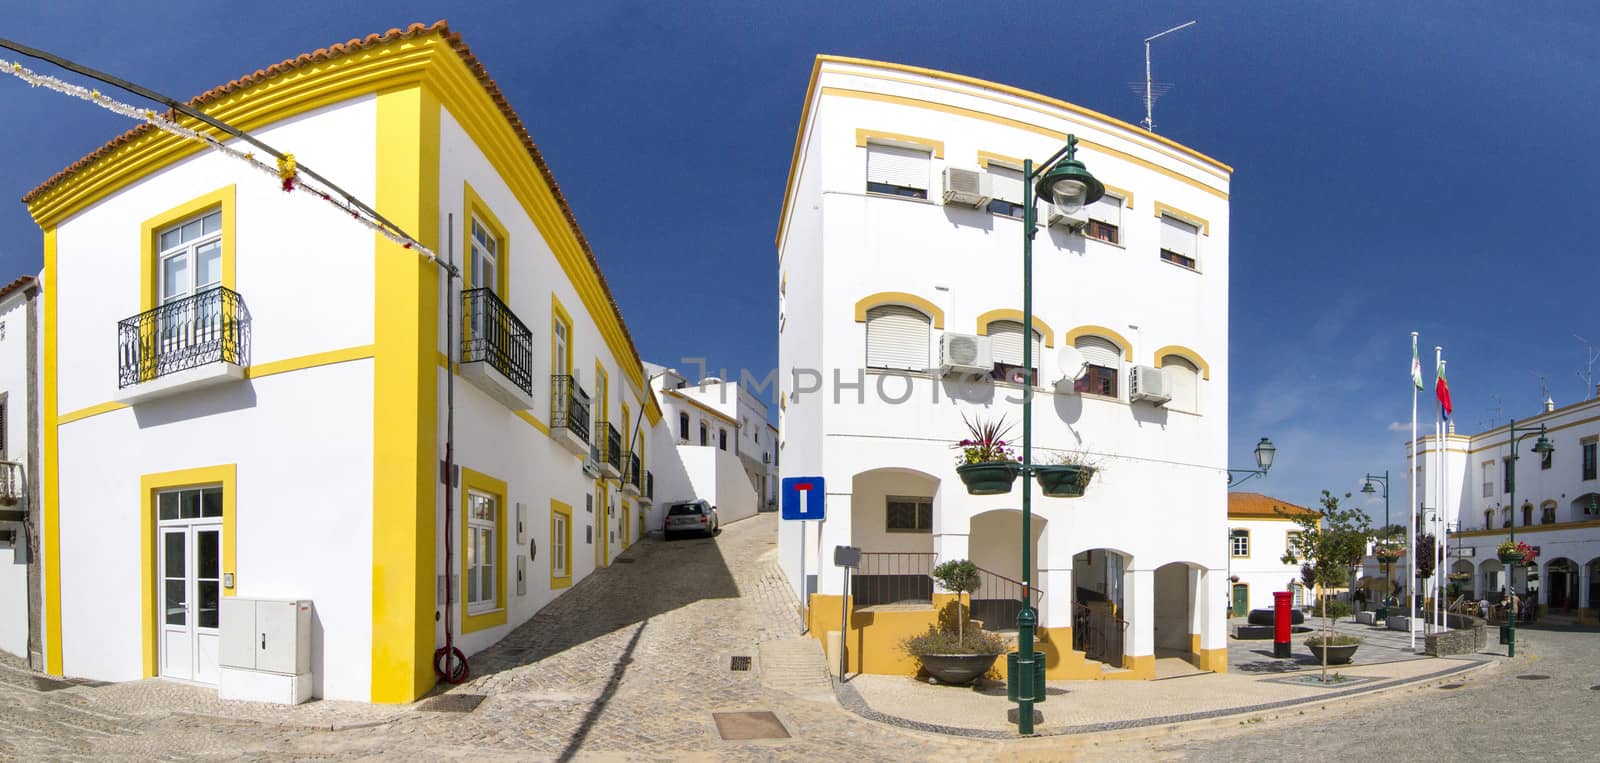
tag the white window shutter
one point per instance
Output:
(893, 165)
(1005, 343)
(897, 337)
(1183, 381)
(1100, 351)
(1107, 210)
(1178, 236)
(1006, 184)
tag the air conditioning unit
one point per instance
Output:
(964, 355)
(1148, 384)
(1074, 221)
(967, 187)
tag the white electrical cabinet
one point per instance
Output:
(266, 650)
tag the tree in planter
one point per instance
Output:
(958, 576)
(1424, 564)
(1329, 543)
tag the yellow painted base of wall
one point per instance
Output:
(1137, 667)
(874, 638)
(1214, 660)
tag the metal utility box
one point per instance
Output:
(265, 653)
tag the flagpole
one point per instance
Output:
(1411, 514)
(1442, 543)
(1438, 450)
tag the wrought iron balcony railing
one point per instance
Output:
(650, 485)
(569, 406)
(630, 471)
(491, 333)
(13, 484)
(210, 327)
(610, 443)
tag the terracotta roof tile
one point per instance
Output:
(1249, 505)
(19, 282)
(440, 28)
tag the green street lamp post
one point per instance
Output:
(1367, 488)
(1069, 186)
(1265, 452)
(1541, 447)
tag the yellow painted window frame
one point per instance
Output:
(1104, 333)
(1047, 335)
(563, 510)
(483, 483)
(1167, 210)
(904, 299)
(624, 540)
(559, 314)
(602, 549)
(221, 199)
(1249, 543)
(477, 209)
(225, 475)
(1185, 353)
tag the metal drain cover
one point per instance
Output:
(756, 725)
(1533, 677)
(453, 703)
(740, 662)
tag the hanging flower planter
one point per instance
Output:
(1063, 480)
(1511, 557)
(989, 477)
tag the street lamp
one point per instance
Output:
(1541, 447)
(1068, 185)
(1265, 452)
(1368, 489)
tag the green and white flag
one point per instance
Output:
(1416, 365)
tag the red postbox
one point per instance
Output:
(1282, 605)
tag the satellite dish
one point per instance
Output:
(1071, 363)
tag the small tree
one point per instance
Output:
(958, 576)
(1329, 543)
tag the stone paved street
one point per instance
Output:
(632, 663)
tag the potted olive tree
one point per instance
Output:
(987, 465)
(1330, 542)
(946, 651)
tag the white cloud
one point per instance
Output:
(1399, 426)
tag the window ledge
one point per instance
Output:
(1107, 243)
(897, 197)
(1179, 266)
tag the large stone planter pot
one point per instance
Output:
(1337, 655)
(957, 669)
(990, 477)
(1063, 480)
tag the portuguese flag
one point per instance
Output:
(1441, 388)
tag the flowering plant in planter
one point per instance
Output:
(986, 443)
(1517, 552)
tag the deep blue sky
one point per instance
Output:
(1398, 166)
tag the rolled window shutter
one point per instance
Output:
(1099, 351)
(1005, 343)
(1178, 236)
(897, 337)
(1183, 382)
(893, 165)
(1006, 184)
(1107, 210)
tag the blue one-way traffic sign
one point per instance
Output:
(803, 498)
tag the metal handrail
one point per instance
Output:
(610, 444)
(210, 327)
(569, 406)
(630, 473)
(649, 485)
(491, 333)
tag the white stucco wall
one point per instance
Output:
(14, 370)
(1263, 570)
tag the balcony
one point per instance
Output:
(609, 443)
(569, 414)
(631, 481)
(13, 491)
(185, 344)
(496, 349)
(649, 488)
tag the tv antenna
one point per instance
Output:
(1154, 90)
(1587, 374)
(1494, 414)
(1544, 388)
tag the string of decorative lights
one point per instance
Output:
(286, 171)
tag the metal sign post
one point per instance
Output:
(848, 557)
(804, 499)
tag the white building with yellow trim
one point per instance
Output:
(900, 233)
(244, 393)
(1258, 537)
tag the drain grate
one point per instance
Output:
(1452, 686)
(623, 560)
(1533, 677)
(453, 703)
(756, 725)
(739, 662)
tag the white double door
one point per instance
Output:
(190, 589)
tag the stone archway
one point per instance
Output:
(1176, 625)
(1559, 587)
(994, 544)
(1100, 618)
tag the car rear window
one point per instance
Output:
(684, 508)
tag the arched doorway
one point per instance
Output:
(1560, 585)
(995, 546)
(1594, 584)
(1491, 579)
(893, 513)
(1099, 618)
(1177, 632)
(1462, 580)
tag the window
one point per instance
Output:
(722, 439)
(4, 399)
(1105, 220)
(1183, 381)
(1005, 349)
(1006, 191)
(191, 257)
(1590, 503)
(1547, 513)
(908, 515)
(193, 503)
(897, 171)
(1180, 241)
(1488, 519)
(1105, 361)
(482, 551)
(561, 353)
(1527, 514)
(705, 434)
(483, 269)
(1510, 474)
(1488, 479)
(1291, 543)
(1239, 543)
(898, 337)
(683, 426)
(1588, 458)
(560, 545)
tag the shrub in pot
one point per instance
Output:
(987, 464)
(952, 651)
(1337, 649)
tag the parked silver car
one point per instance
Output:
(690, 517)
